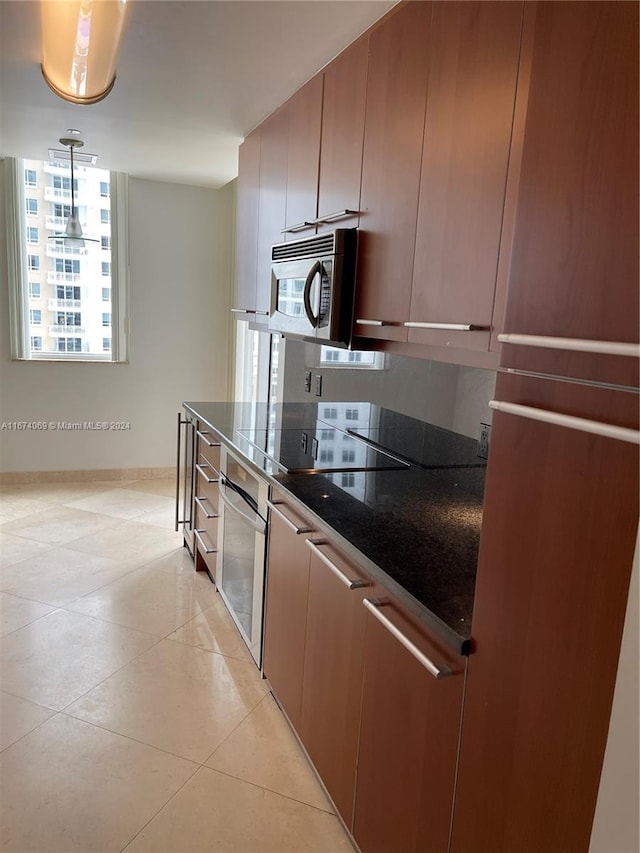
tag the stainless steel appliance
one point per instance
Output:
(241, 547)
(312, 287)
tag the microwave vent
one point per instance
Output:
(310, 247)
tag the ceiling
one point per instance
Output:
(194, 77)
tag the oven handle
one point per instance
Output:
(313, 272)
(259, 526)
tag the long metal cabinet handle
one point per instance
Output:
(203, 473)
(273, 505)
(203, 435)
(249, 311)
(332, 217)
(300, 226)
(207, 548)
(373, 606)
(449, 327)
(375, 323)
(570, 421)
(181, 421)
(572, 344)
(258, 526)
(200, 503)
(356, 584)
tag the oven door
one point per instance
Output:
(241, 549)
(302, 297)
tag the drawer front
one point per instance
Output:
(208, 524)
(208, 446)
(206, 483)
(206, 547)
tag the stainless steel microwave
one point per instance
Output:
(312, 287)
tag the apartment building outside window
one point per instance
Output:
(75, 310)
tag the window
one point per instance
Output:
(330, 414)
(68, 318)
(326, 455)
(348, 479)
(352, 414)
(337, 357)
(36, 343)
(69, 344)
(348, 456)
(77, 299)
(35, 316)
(327, 435)
(67, 291)
(106, 344)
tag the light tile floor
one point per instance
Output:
(131, 714)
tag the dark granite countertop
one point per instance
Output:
(416, 529)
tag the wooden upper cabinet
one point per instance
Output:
(408, 737)
(248, 189)
(395, 110)
(473, 72)
(304, 111)
(343, 113)
(274, 135)
(574, 266)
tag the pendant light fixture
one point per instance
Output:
(73, 236)
(80, 44)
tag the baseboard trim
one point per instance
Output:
(20, 478)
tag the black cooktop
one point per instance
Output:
(319, 449)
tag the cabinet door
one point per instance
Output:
(304, 114)
(248, 188)
(473, 72)
(333, 672)
(408, 738)
(274, 133)
(286, 608)
(558, 533)
(343, 110)
(395, 110)
(574, 266)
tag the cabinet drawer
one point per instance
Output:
(207, 523)
(206, 480)
(209, 446)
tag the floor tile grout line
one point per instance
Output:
(31, 731)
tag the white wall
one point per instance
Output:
(180, 298)
(446, 395)
(615, 826)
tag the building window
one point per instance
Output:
(76, 275)
(67, 291)
(352, 414)
(326, 455)
(35, 317)
(330, 414)
(348, 480)
(337, 357)
(327, 435)
(69, 344)
(36, 343)
(348, 456)
(106, 344)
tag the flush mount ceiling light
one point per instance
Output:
(73, 235)
(80, 44)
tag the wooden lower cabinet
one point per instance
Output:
(285, 622)
(333, 668)
(409, 735)
(558, 534)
